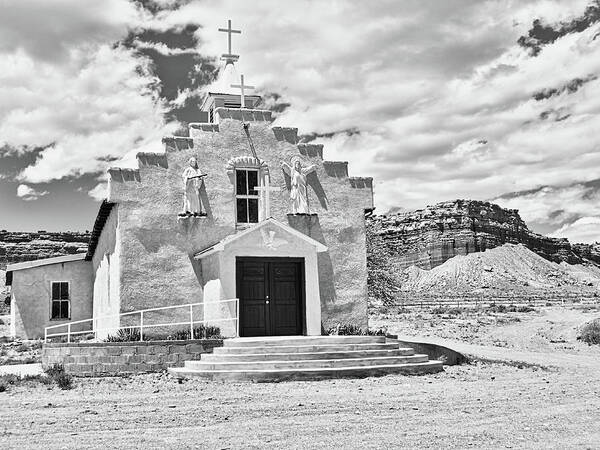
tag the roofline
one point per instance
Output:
(220, 246)
(45, 262)
(103, 213)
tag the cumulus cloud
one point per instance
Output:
(441, 93)
(99, 192)
(49, 30)
(28, 193)
(440, 99)
(583, 230)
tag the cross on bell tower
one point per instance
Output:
(229, 56)
(242, 87)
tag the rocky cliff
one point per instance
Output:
(22, 246)
(428, 237)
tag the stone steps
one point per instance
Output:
(281, 341)
(305, 348)
(308, 374)
(306, 358)
(307, 363)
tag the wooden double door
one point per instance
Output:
(271, 295)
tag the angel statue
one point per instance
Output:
(193, 179)
(298, 191)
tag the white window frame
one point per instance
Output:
(68, 300)
(246, 196)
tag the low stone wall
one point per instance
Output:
(87, 359)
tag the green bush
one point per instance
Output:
(54, 370)
(64, 381)
(133, 334)
(200, 332)
(56, 373)
(124, 335)
(14, 380)
(350, 329)
(590, 332)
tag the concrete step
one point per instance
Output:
(339, 347)
(305, 364)
(233, 357)
(308, 373)
(265, 341)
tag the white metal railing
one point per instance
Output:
(191, 322)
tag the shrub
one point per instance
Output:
(64, 381)
(590, 332)
(56, 373)
(349, 329)
(200, 332)
(525, 309)
(124, 335)
(207, 332)
(54, 370)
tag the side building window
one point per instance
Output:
(60, 300)
(246, 196)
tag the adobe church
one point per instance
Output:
(239, 209)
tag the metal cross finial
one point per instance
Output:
(229, 56)
(242, 87)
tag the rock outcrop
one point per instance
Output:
(428, 237)
(23, 246)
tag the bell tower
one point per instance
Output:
(229, 90)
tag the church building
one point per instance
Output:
(237, 209)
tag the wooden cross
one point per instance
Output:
(229, 56)
(242, 87)
(265, 195)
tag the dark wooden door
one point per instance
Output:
(271, 296)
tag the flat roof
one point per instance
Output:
(45, 262)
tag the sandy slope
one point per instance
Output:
(509, 268)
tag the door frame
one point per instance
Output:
(301, 261)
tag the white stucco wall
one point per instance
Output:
(106, 267)
(31, 292)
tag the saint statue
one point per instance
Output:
(193, 179)
(298, 190)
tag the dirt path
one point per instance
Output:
(479, 406)
(482, 405)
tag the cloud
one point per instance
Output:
(585, 230)
(99, 192)
(48, 31)
(28, 193)
(98, 107)
(555, 205)
(436, 100)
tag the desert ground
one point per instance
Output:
(548, 396)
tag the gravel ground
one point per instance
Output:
(477, 406)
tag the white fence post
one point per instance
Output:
(68, 332)
(141, 325)
(191, 321)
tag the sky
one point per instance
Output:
(472, 99)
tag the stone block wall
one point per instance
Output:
(124, 358)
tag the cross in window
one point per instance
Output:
(265, 197)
